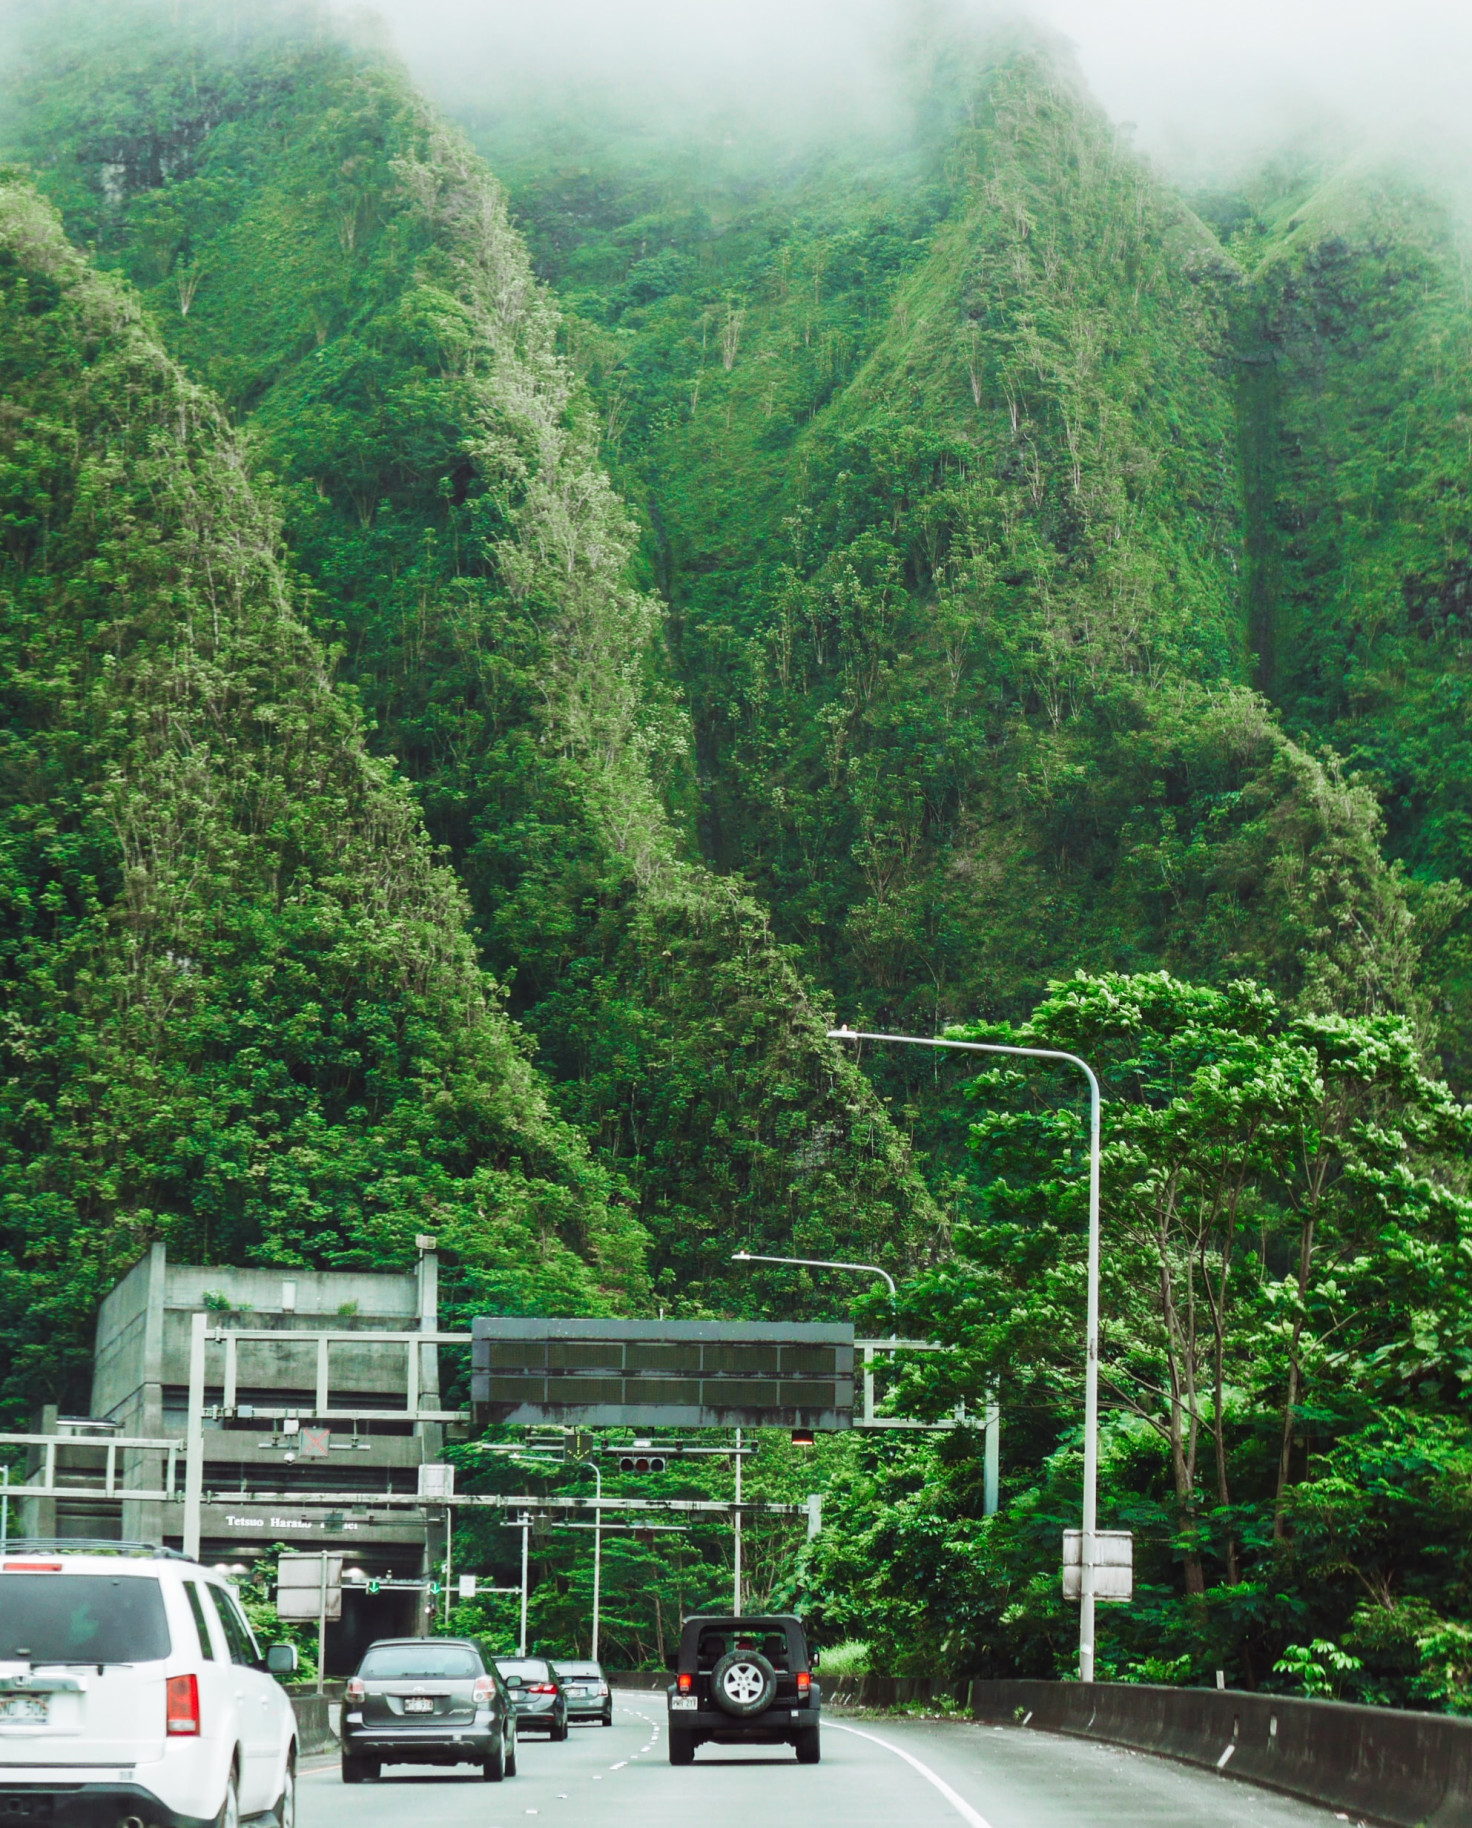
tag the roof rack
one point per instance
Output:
(89, 1545)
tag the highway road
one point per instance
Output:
(876, 1773)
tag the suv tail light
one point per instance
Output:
(804, 1682)
(541, 1688)
(484, 1688)
(181, 1707)
(33, 1567)
(685, 1682)
(354, 1690)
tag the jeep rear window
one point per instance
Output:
(82, 1618)
(420, 1662)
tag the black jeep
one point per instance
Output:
(746, 1681)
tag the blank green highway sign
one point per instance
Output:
(662, 1374)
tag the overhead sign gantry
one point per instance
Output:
(662, 1374)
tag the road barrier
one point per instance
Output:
(1408, 1770)
(881, 1691)
(314, 1732)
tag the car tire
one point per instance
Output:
(682, 1748)
(284, 1813)
(511, 1752)
(743, 1683)
(357, 1770)
(809, 1750)
(607, 1719)
(229, 1816)
(493, 1769)
(558, 1729)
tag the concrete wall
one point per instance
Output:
(1409, 1770)
(314, 1732)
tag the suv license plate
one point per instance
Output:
(419, 1704)
(684, 1701)
(23, 1707)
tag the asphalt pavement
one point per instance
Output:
(876, 1773)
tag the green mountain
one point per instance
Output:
(318, 245)
(940, 459)
(240, 1008)
(489, 673)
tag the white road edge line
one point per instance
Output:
(954, 1798)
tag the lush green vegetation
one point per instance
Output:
(488, 673)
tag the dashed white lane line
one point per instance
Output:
(953, 1797)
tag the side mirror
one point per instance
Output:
(672, 1660)
(815, 1657)
(281, 1660)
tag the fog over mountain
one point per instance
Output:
(1207, 84)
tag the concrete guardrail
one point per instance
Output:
(1408, 1770)
(314, 1732)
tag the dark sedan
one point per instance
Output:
(427, 1701)
(536, 1694)
(587, 1691)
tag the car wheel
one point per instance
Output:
(682, 1748)
(608, 1718)
(558, 1729)
(229, 1816)
(511, 1751)
(285, 1810)
(808, 1750)
(743, 1683)
(494, 1768)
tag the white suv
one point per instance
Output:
(133, 1695)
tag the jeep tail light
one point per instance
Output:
(804, 1682)
(354, 1690)
(685, 1682)
(484, 1689)
(181, 1707)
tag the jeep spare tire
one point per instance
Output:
(743, 1683)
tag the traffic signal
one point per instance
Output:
(374, 1586)
(641, 1463)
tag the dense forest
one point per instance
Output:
(511, 626)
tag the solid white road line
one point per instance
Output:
(957, 1801)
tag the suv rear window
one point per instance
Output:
(420, 1662)
(82, 1618)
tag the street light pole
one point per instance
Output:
(526, 1524)
(863, 1269)
(597, 1550)
(868, 1269)
(1091, 1323)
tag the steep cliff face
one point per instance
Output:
(337, 260)
(1354, 336)
(1359, 300)
(941, 467)
(241, 1011)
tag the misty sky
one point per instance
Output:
(1203, 79)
